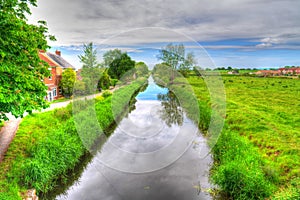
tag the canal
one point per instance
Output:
(155, 152)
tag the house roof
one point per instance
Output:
(59, 60)
(46, 59)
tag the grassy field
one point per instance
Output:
(48, 145)
(259, 146)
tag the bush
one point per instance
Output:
(113, 82)
(106, 93)
(63, 113)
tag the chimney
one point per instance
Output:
(58, 53)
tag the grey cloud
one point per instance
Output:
(77, 21)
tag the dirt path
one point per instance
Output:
(7, 134)
(8, 131)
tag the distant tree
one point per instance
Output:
(229, 68)
(120, 65)
(90, 69)
(141, 69)
(110, 56)
(175, 57)
(67, 82)
(21, 69)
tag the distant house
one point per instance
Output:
(290, 71)
(279, 72)
(233, 72)
(268, 73)
(57, 65)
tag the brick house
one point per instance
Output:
(290, 71)
(56, 66)
(268, 73)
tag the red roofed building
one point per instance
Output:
(57, 65)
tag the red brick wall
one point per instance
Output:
(53, 81)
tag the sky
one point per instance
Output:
(241, 34)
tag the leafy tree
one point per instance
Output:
(175, 57)
(67, 82)
(21, 69)
(141, 69)
(104, 81)
(91, 68)
(110, 56)
(120, 65)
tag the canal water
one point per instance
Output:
(156, 152)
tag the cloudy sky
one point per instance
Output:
(238, 33)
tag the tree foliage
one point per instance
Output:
(90, 68)
(120, 65)
(67, 82)
(175, 57)
(141, 69)
(110, 56)
(104, 81)
(21, 69)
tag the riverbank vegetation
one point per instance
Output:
(47, 145)
(257, 153)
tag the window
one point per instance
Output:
(50, 77)
(60, 91)
(54, 92)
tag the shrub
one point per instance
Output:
(113, 82)
(106, 93)
(63, 113)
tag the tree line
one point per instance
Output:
(98, 76)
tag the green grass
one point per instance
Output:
(257, 154)
(48, 145)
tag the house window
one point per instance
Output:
(50, 77)
(60, 91)
(54, 92)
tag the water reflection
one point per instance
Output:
(172, 112)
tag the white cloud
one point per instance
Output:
(264, 45)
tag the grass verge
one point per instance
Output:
(47, 146)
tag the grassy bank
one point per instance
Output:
(257, 153)
(47, 145)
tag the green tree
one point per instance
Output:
(110, 56)
(120, 65)
(175, 57)
(21, 69)
(67, 82)
(90, 69)
(104, 81)
(141, 69)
